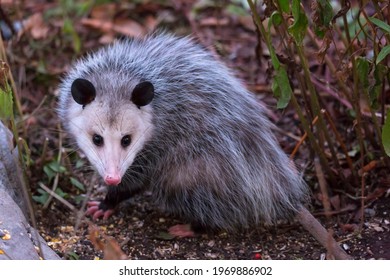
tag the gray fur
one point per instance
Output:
(212, 158)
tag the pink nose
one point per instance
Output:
(112, 180)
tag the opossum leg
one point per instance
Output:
(181, 231)
(114, 196)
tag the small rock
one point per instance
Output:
(369, 212)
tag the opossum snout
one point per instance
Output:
(112, 180)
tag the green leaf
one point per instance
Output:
(49, 172)
(52, 168)
(73, 256)
(6, 102)
(281, 88)
(83, 8)
(68, 29)
(386, 134)
(324, 11)
(274, 59)
(384, 26)
(237, 10)
(164, 236)
(56, 167)
(284, 5)
(276, 18)
(79, 198)
(375, 89)
(77, 184)
(79, 163)
(363, 69)
(299, 27)
(61, 193)
(42, 198)
(280, 84)
(382, 54)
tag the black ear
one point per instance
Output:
(83, 91)
(143, 94)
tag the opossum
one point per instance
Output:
(162, 113)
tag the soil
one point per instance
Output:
(141, 232)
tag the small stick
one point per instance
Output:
(312, 225)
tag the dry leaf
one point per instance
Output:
(94, 237)
(103, 26)
(104, 12)
(107, 38)
(150, 23)
(36, 26)
(212, 21)
(128, 27)
(113, 251)
(349, 227)
(125, 27)
(7, 2)
(110, 247)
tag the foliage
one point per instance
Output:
(357, 76)
(6, 102)
(53, 172)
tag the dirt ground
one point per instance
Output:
(140, 230)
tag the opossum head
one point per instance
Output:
(110, 135)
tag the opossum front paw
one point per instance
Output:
(181, 231)
(97, 209)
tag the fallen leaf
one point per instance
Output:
(349, 227)
(113, 251)
(94, 237)
(108, 245)
(150, 23)
(36, 26)
(103, 26)
(162, 235)
(125, 27)
(104, 12)
(368, 167)
(128, 27)
(212, 21)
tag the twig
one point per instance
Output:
(312, 225)
(56, 196)
(323, 187)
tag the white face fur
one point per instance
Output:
(110, 146)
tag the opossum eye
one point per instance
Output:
(97, 140)
(125, 141)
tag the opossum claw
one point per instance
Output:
(181, 231)
(96, 212)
